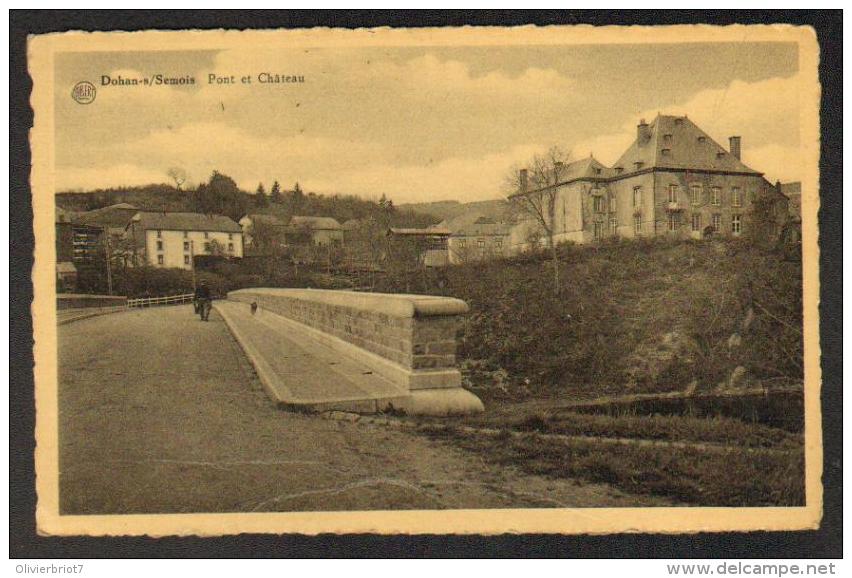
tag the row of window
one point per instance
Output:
(207, 246)
(673, 223)
(696, 193)
(186, 235)
(480, 243)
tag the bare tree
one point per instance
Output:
(178, 175)
(533, 192)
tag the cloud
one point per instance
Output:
(120, 175)
(765, 114)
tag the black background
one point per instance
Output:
(25, 543)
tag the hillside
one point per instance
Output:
(163, 197)
(449, 210)
(629, 317)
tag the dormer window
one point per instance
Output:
(702, 139)
(720, 154)
(638, 165)
(666, 152)
(597, 171)
(667, 138)
(678, 121)
(619, 170)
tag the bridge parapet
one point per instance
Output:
(410, 340)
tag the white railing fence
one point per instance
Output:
(168, 300)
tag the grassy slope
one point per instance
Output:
(632, 317)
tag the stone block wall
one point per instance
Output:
(416, 332)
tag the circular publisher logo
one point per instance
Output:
(84, 92)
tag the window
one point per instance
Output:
(597, 171)
(736, 224)
(696, 221)
(638, 165)
(716, 198)
(462, 243)
(736, 197)
(230, 236)
(619, 170)
(159, 259)
(637, 196)
(613, 226)
(159, 234)
(674, 222)
(598, 228)
(717, 222)
(207, 247)
(230, 247)
(498, 243)
(667, 138)
(637, 225)
(696, 193)
(159, 245)
(186, 259)
(665, 152)
(702, 139)
(678, 121)
(480, 243)
(186, 245)
(598, 204)
(673, 193)
(185, 234)
(206, 235)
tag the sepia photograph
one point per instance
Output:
(460, 280)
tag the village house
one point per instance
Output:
(673, 180)
(271, 225)
(793, 191)
(427, 246)
(484, 238)
(173, 239)
(323, 230)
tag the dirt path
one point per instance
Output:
(160, 412)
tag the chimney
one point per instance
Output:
(524, 177)
(735, 146)
(642, 132)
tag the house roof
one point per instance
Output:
(677, 142)
(271, 220)
(424, 231)
(316, 223)
(589, 167)
(117, 215)
(483, 230)
(65, 267)
(185, 222)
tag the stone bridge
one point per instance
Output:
(360, 352)
(161, 412)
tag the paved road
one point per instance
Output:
(160, 412)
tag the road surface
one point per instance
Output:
(160, 412)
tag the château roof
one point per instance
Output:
(677, 142)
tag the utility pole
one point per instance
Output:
(192, 263)
(108, 263)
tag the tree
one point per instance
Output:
(533, 192)
(260, 199)
(297, 200)
(178, 175)
(275, 193)
(220, 196)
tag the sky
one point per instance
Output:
(416, 124)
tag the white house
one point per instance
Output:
(172, 239)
